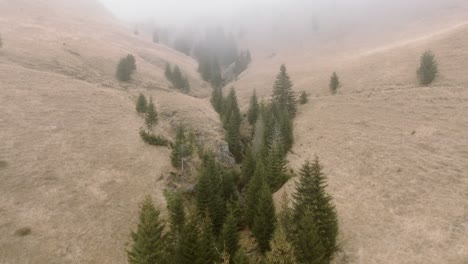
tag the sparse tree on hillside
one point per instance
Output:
(149, 241)
(141, 104)
(428, 68)
(151, 117)
(182, 149)
(334, 83)
(304, 98)
(217, 99)
(126, 68)
(283, 95)
(308, 246)
(253, 109)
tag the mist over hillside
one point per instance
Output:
(246, 128)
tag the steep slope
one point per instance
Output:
(72, 166)
(395, 153)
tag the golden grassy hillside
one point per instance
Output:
(72, 166)
(396, 154)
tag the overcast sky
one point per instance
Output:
(177, 10)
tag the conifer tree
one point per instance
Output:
(265, 218)
(241, 257)
(259, 135)
(217, 99)
(334, 83)
(428, 69)
(141, 104)
(253, 109)
(207, 251)
(248, 167)
(283, 95)
(151, 117)
(177, 215)
(303, 99)
(188, 247)
(282, 252)
(253, 188)
(230, 234)
(232, 122)
(125, 68)
(182, 149)
(276, 164)
(308, 246)
(311, 195)
(149, 241)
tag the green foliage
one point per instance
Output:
(141, 104)
(241, 257)
(252, 114)
(125, 68)
(230, 234)
(428, 69)
(182, 150)
(242, 62)
(1, 42)
(265, 218)
(188, 245)
(217, 100)
(149, 241)
(283, 95)
(207, 251)
(253, 189)
(154, 140)
(232, 122)
(259, 135)
(248, 168)
(176, 78)
(209, 192)
(308, 246)
(334, 83)
(276, 165)
(304, 98)
(311, 196)
(282, 252)
(151, 117)
(175, 206)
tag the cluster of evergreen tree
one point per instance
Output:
(125, 68)
(205, 225)
(177, 79)
(150, 115)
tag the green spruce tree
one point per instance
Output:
(311, 195)
(175, 205)
(428, 69)
(232, 122)
(141, 104)
(334, 83)
(149, 241)
(182, 150)
(217, 100)
(230, 233)
(151, 117)
(283, 95)
(308, 246)
(248, 168)
(252, 114)
(207, 251)
(265, 218)
(304, 98)
(251, 196)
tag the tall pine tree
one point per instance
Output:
(141, 104)
(149, 241)
(265, 218)
(252, 114)
(151, 117)
(308, 246)
(230, 234)
(253, 188)
(311, 195)
(282, 251)
(283, 95)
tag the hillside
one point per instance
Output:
(73, 168)
(72, 165)
(395, 153)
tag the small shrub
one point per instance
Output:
(153, 139)
(334, 83)
(125, 68)
(24, 231)
(304, 98)
(428, 69)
